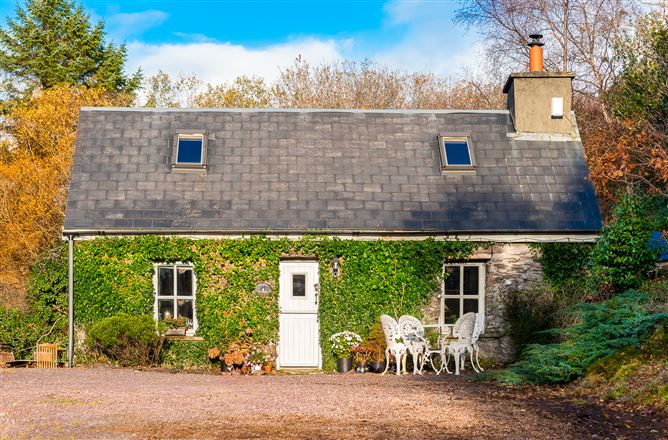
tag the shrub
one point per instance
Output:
(528, 314)
(128, 340)
(622, 258)
(21, 331)
(185, 354)
(601, 330)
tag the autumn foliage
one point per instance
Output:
(34, 172)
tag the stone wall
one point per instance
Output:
(509, 268)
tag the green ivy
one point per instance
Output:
(562, 262)
(185, 354)
(115, 275)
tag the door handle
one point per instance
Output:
(316, 287)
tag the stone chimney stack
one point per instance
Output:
(539, 101)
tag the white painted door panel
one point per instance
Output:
(298, 345)
(299, 340)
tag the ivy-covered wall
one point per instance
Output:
(114, 275)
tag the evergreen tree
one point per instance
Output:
(52, 42)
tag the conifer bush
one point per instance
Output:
(600, 330)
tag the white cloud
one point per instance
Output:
(430, 41)
(124, 25)
(222, 62)
(416, 36)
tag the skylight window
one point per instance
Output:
(189, 150)
(456, 153)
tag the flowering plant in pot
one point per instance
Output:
(376, 343)
(342, 347)
(255, 359)
(235, 356)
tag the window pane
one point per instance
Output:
(471, 280)
(457, 152)
(298, 285)
(470, 305)
(184, 307)
(165, 309)
(452, 280)
(184, 281)
(165, 281)
(451, 310)
(190, 151)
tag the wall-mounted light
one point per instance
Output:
(336, 266)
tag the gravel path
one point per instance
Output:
(101, 403)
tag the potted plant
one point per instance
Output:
(267, 364)
(342, 347)
(255, 359)
(269, 357)
(234, 357)
(376, 342)
(177, 326)
(362, 354)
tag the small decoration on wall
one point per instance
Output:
(263, 288)
(336, 266)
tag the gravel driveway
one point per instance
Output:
(101, 402)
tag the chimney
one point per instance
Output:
(539, 101)
(536, 53)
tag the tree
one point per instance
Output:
(580, 35)
(52, 42)
(35, 166)
(631, 151)
(641, 89)
(163, 91)
(243, 92)
(350, 84)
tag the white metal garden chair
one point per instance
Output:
(467, 330)
(394, 345)
(412, 333)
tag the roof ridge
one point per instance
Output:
(287, 110)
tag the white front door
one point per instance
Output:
(299, 332)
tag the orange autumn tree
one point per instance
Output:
(630, 151)
(35, 158)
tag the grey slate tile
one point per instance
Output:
(318, 170)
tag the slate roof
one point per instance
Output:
(327, 171)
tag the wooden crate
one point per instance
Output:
(5, 356)
(47, 356)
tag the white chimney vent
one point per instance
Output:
(557, 107)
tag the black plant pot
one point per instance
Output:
(344, 365)
(377, 366)
(224, 368)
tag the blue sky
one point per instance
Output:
(220, 39)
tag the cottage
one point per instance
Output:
(326, 189)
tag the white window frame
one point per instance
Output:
(480, 296)
(174, 297)
(292, 287)
(444, 157)
(189, 135)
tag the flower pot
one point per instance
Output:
(344, 365)
(377, 366)
(266, 369)
(179, 331)
(224, 368)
